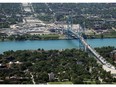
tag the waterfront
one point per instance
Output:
(52, 44)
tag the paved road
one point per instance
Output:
(32, 78)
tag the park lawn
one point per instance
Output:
(60, 83)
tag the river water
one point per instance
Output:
(53, 44)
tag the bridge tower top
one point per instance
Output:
(69, 21)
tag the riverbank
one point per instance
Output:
(55, 36)
(100, 36)
(32, 37)
(51, 37)
(106, 35)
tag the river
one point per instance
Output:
(52, 44)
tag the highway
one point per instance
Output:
(32, 78)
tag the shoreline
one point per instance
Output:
(55, 39)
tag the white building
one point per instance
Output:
(51, 76)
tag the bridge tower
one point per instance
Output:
(81, 31)
(69, 23)
(81, 46)
(84, 28)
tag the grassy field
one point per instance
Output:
(60, 83)
(87, 82)
(50, 36)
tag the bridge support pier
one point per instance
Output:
(81, 46)
(85, 49)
